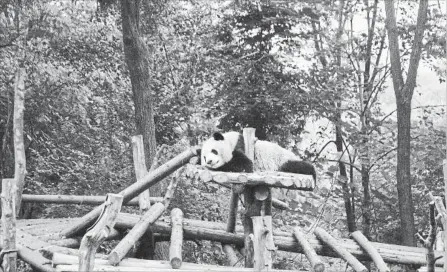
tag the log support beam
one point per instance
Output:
(175, 248)
(135, 233)
(100, 231)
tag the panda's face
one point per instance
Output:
(216, 152)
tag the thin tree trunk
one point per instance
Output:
(404, 94)
(366, 91)
(347, 193)
(350, 216)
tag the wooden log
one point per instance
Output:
(201, 268)
(231, 227)
(139, 163)
(263, 243)
(25, 250)
(371, 250)
(135, 233)
(171, 187)
(9, 197)
(232, 259)
(444, 214)
(80, 200)
(311, 255)
(76, 241)
(175, 248)
(431, 238)
(35, 260)
(274, 179)
(262, 192)
(160, 265)
(278, 204)
(252, 206)
(232, 215)
(249, 142)
(56, 252)
(214, 231)
(342, 252)
(96, 235)
(134, 189)
(19, 146)
(146, 247)
(394, 254)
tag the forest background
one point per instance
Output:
(314, 76)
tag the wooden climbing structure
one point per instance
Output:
(70, 244)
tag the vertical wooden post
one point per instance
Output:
(257, 218)
(99, 232)
(9, 194)
(445, 192)
(252, 207)
(140, 170)
(175, 248)
(146, 246)
(263, 242)
(445, 219)
(19, 147)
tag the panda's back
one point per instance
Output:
(270, 156)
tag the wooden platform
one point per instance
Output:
(46, 229)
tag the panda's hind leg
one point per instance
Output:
(299, 167)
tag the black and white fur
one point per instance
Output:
(224, 152)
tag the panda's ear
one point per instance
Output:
(218, 136)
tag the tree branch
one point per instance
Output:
(416, 49)
(393, 43)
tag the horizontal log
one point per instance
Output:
(274, 179)
(77, 199)
(149, 265)
(286, 242)
(28, 254)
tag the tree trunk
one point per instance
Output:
(403, 173)
(136, 55)
(347, 193)
(350, 216)
(366, 93)
(404, 94)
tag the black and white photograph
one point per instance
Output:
(223, 135)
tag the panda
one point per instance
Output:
(225, 152)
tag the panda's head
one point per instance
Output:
(218, 150)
